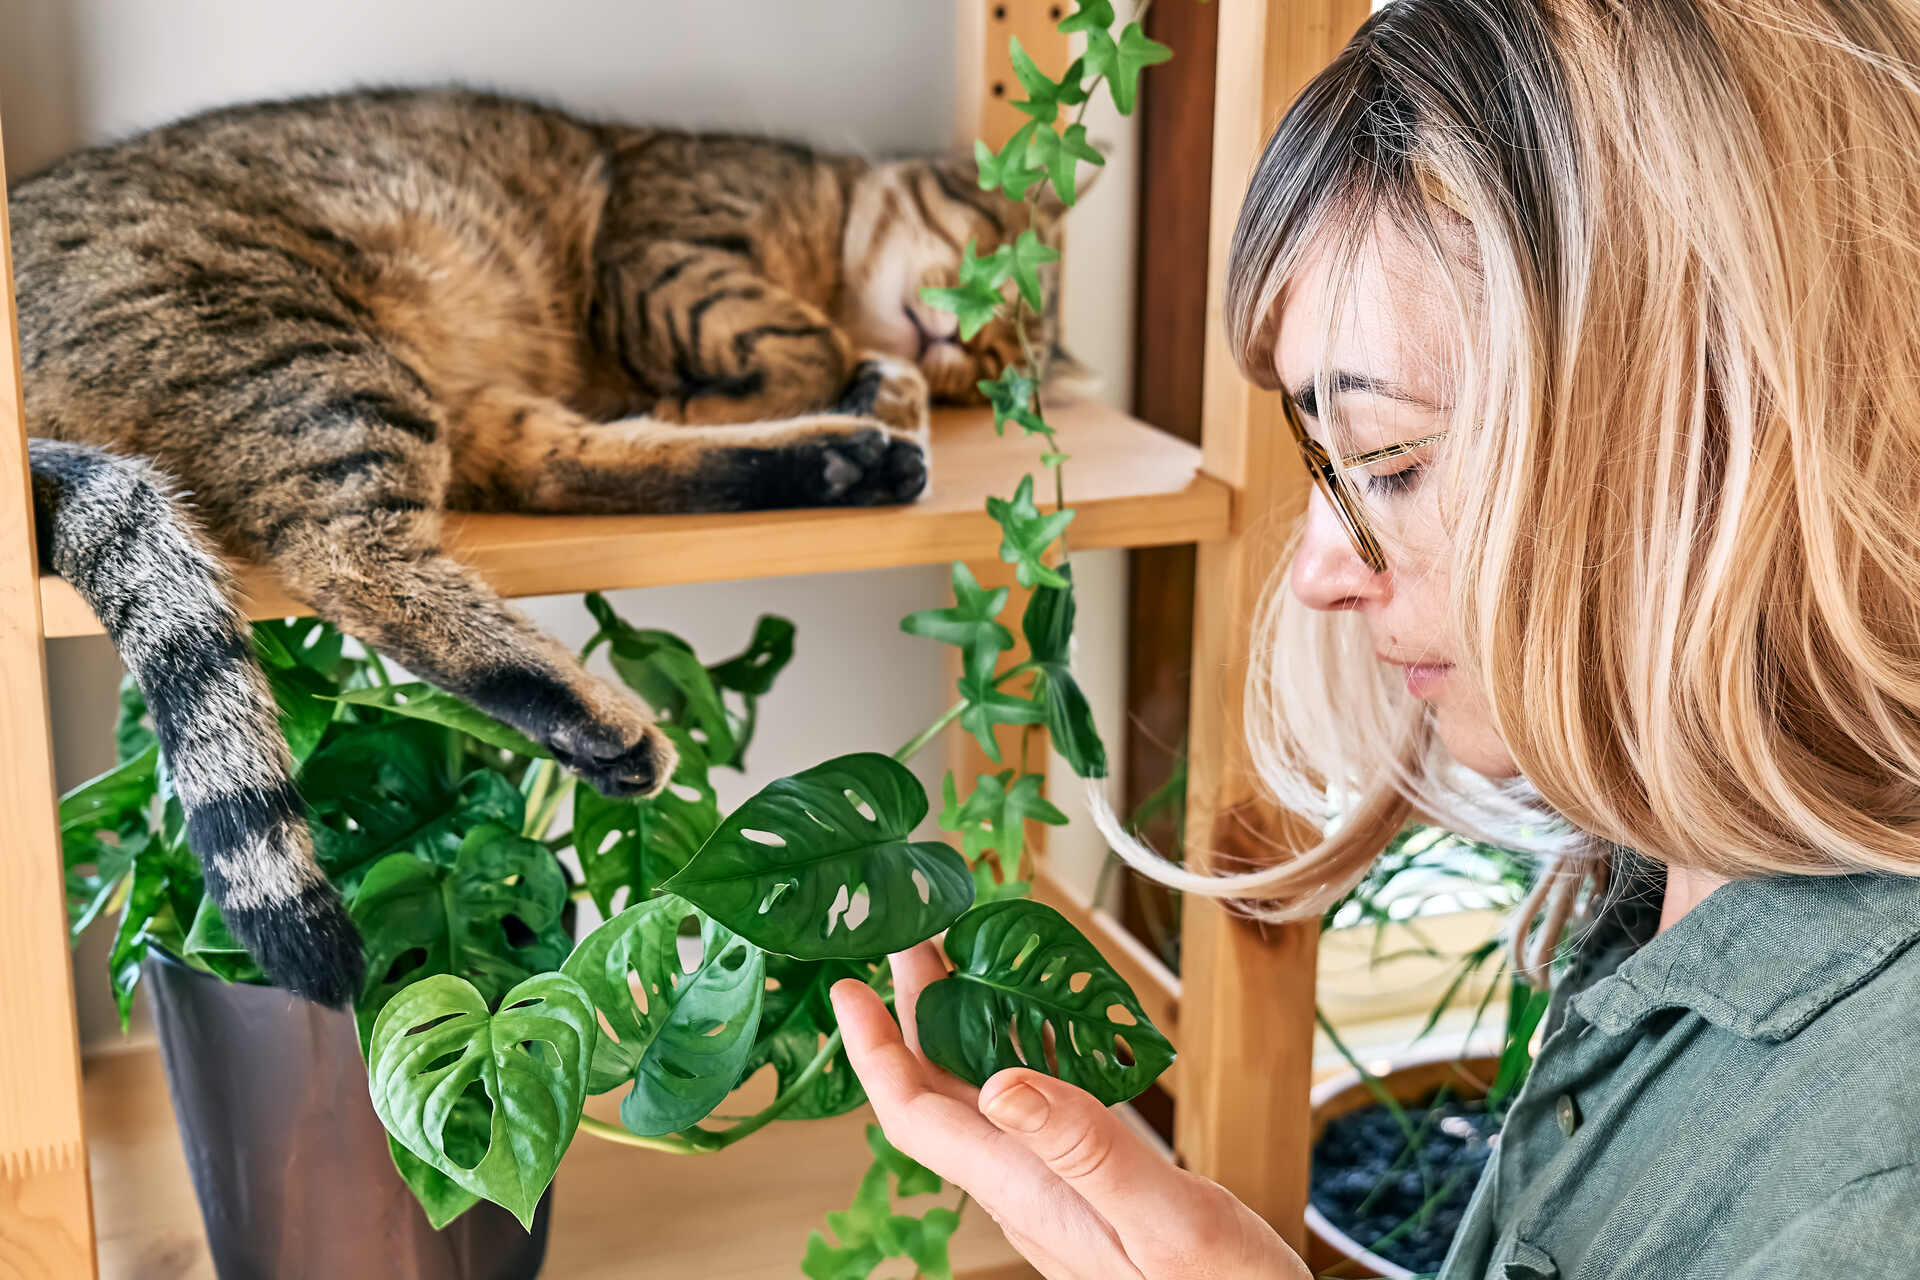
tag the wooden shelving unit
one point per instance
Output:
(1243, 1014)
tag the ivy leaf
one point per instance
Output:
(1088, 16)
(1011, 395)
(1027, 534)
(492, 917)
(424, 702)
(870, 1232)
(1029, 255)
(436, 1043)
(911, 1178)
(971, 623)
(995, 816)
(1029, 990)
(1123, 62)
(987, 707)
(1059, 153)
(682, 1043)
(1048, 627)
(1009, 171)
(1044, 96)
(819, 866)
(977, 297)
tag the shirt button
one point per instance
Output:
(1567, 1114)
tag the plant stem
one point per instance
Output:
(678, 1146)
(543, 820)
(773, 1110)
(932, 731)
(539, 778)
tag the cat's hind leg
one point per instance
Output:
(554, 460)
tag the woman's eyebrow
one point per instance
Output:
(1345, 380)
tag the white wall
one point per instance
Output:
(868, 75)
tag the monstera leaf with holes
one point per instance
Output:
(492, 917)
(794, 1025)
(1029, 990)
(818, 866)
(435, 1048)
(678, 1034)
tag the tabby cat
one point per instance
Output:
(312, 326)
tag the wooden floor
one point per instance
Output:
(609, 1199)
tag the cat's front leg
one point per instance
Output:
(889, 389)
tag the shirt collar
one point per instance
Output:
(1761, 957)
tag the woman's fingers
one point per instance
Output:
(1054, 1227)
(914, 971)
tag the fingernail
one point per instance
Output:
(1019, 1107)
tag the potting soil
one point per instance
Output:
(1360, 1149)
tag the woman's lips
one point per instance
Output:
(1424, 677)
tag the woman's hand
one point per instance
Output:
(1077, 1192)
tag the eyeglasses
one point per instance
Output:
(1344, 502)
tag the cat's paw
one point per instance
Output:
(890, 389)
(612, 760)
(871, 467)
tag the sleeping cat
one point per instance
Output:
(326, 321)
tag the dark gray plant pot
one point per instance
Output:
(288, 1158)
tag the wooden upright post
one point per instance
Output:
(46, 1206)
(1246, 1017)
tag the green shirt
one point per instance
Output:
(1736, 1097)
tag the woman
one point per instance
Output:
(1639, 286)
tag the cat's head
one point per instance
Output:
(907, 225)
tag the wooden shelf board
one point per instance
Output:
(1133, 485)
(742, 1214)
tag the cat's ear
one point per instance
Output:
(1086, 178)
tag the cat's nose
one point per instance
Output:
(942, 328)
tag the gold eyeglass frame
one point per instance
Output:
(1345, 506)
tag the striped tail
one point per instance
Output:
(111, 527)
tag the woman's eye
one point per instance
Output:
(1395, 482)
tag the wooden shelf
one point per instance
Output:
(617, 1211)
(1133, 485)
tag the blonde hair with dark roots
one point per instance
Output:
(1682, 479)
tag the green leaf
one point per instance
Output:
(971, 623)
(436, 706)
(1059, 153)
(211, 947)
(794, 1025)
(750, 675)
(1122, 63)
(870, 1232)
(995, 816)
(682, 1044)
(1011, 395)
(1018, 999)
(825, 1261)
(436, 1040)
(492, 917)
(441, 1198)
(1043, 93)
(131, 733)
(1026, 535)
(1048, 627)
(384, 788)
(1029, 255)
(638, 844)
(103, 826)
(663, 669)
(1009, 171)
(1088, 15)
(819, 866)
(977, 296)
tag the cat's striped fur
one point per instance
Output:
(113, 528)
(329, 320)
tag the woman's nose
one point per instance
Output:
(1328, 572)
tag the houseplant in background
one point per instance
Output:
(484, 1025)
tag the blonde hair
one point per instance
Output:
(1682, 241)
